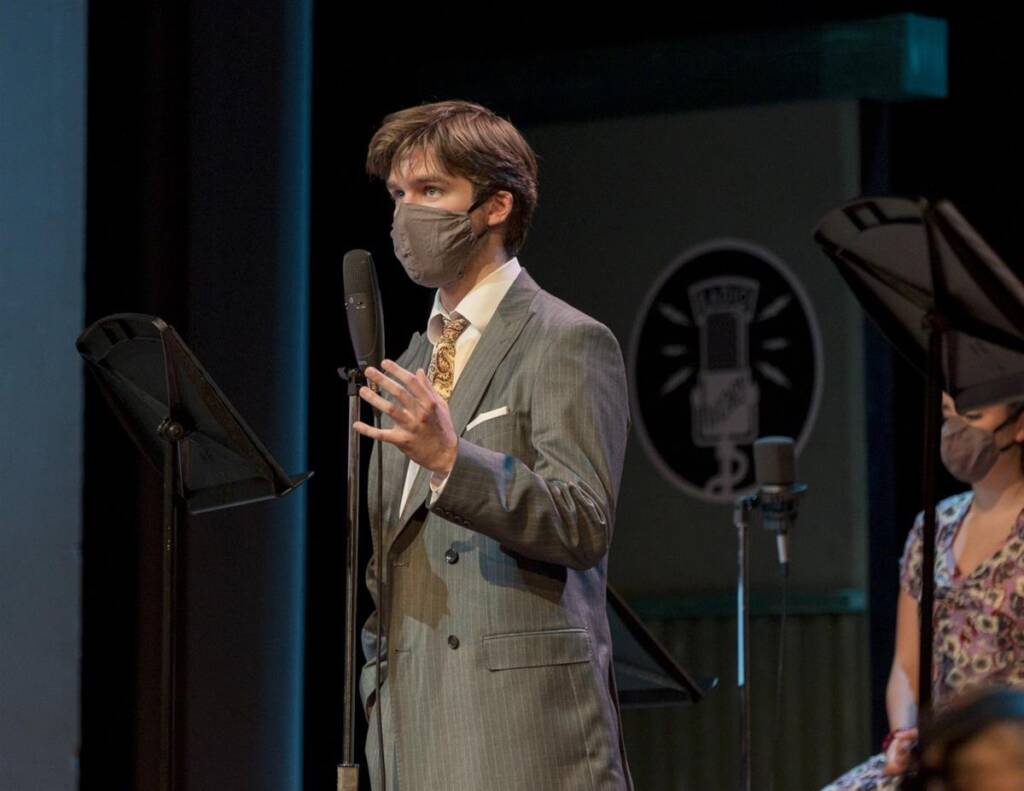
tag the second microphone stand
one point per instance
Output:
(780, 501)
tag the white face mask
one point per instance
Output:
(434, 245)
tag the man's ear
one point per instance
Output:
(499, 207)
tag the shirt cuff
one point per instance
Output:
(437, 484)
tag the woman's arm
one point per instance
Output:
(901, 691)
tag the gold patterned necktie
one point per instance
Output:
(442, 363)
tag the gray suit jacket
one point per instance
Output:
(498, 672)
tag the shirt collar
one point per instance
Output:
(480, 304)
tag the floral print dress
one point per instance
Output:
(978, 622)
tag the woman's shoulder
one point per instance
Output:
(947, 511)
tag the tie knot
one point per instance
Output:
(451, 329)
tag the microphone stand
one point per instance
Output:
(775, 500)
(741, 511)
(348, 770)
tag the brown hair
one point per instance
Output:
(466, 140)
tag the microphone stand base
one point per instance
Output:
(348, 777)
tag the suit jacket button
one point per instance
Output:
(451, 556)
(453, 642)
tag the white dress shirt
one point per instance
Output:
(478, 306)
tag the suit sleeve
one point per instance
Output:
(561, 510)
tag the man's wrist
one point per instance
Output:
(440, 475)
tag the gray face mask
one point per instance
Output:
(969, 452)
(434, 245)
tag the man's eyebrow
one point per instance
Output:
(428, 178)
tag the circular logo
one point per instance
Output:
(725, 350)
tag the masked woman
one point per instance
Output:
(979, 585)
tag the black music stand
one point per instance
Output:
(646, 675)
(949, 304)
(185, 426)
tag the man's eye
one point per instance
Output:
(433, 192)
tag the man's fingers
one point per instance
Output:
(394, 436)
(368, 431)
(412, 383)
(422, 376)
(391, 386)
(379, 402)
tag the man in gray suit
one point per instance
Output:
(503, 432)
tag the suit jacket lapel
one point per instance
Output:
(501, 333)
(503, 329)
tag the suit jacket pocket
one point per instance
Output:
(536, 649)
(498, 424)
(483, 417)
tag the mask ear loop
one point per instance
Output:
(476, 205)
(473, 207)
(1016, 414)
(480, 202)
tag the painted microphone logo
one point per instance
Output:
(724, 402)
(726, 349)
